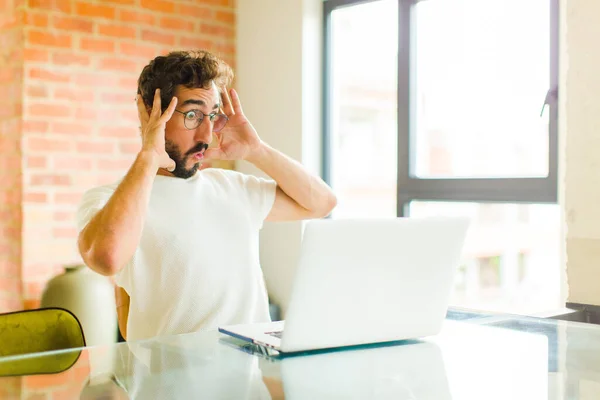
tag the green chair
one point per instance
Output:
(35, 331)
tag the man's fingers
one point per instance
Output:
(142, 112)
(168, 163)
(171, 166)
(156, 105)
(169, 111)
(227, 108)
(235, 101)
(214, 153)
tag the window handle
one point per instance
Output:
(551, 96)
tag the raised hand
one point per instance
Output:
(238, 140)
(153, 128)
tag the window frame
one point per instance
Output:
(538, 190)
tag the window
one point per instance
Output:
(450, 107)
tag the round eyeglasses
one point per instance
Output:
(193, 118)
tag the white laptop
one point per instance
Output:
(365, 281)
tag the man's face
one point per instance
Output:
(186, 146)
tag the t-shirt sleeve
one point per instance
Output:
(258, 194)
(92, 201)
(261, 196)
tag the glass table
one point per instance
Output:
(476, 356)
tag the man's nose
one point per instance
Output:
(204, 131)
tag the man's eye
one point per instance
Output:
(191, 115)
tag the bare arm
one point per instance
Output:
(109, 240)
(300, 195)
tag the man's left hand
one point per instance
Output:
(238, 140)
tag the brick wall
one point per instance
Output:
(11, 83)
(80, 62)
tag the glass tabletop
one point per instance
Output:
(476, 356)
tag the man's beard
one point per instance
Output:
(180, 170)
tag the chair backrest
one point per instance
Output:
(36, 331)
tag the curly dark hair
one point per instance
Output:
(192, 69)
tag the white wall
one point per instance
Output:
(580, 128)
(279, 82)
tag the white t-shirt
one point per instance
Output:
(197, 263)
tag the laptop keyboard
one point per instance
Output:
(275, 334)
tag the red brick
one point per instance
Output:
(224, 49)
(86, 113)
(37, 91)
(11, 304)
(177, 24)
(130, 148)
(129, 116)
(118, 31)
(47, 75)
(9, 75)
(8, 145)
(225, 16)
(224, 3)
(70, 392)
(35, 288)
(10, 22)
(95, 79)
(63, 215)
(128, 82)
(50, 179)
(11, 386)
(31, 304)
(125, 98)
(10, 163)
(112, 164)
(66, 198)
(68, 128)
(73, 24)
(35, 197)
(48, 110)
(117, 64)
(137, 17)
(159, 5)
(10, 284)
(125, 2)
(35, 126)
(85, 9)
(47, 381)
(36, 19)
(70, 59)
(36, 162)
(162, 38)
(72, 163)
(203, 13)
(47, 145)
(78, 95)
(95, 147)
(64, 233)
(51, 5)
(195, 43)
(36, 55)
(118, 131)
(106, 179)
(48, 39)
(97, 45)
(10, 110)
(216, 30)
(137, 50)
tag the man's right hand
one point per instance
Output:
(153, 129)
